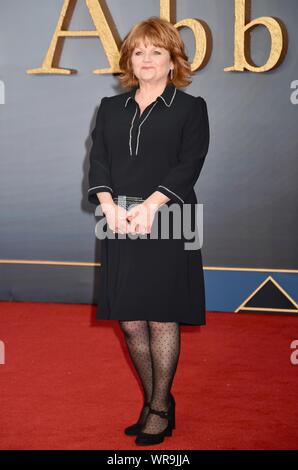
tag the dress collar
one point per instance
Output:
(166, 97)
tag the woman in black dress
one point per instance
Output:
(148, 148)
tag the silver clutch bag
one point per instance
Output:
(127, 201)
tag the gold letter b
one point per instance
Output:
(242, 43)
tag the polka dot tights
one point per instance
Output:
(154, 348)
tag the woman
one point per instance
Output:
(149, 145)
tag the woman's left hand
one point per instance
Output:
(141, 218)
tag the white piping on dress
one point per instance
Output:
(131, 130)
(160, 186)
(139, 131)
(140, 127)
(168, 105)
(101, 186)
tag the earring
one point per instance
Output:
(171, 74)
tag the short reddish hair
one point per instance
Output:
(160, 33)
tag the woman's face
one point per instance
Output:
(150, 63)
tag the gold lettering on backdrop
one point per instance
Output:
(111, 42)
(243, 26)
(200, 29)
(105, 31)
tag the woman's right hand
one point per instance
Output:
(116, 218)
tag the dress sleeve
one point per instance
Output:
(99, 172)
(181, 179)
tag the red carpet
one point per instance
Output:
(67, 382)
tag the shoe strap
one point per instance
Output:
(162, 414)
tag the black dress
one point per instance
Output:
(163, 149)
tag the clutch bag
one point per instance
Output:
(127, 201)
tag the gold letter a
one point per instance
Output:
(103, 31)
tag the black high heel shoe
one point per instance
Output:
(172, 411)
(134, 429)
(144, 438)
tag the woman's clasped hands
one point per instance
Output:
(137, 220)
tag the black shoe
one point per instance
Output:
(144, 438)
(172, 411)
(134, 429)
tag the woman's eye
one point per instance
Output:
(139, 52)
